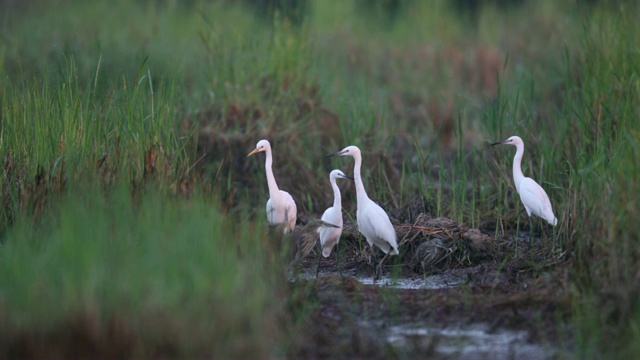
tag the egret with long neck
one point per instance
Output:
(534, 198)
(281, 209)
(373, 221)
(330, 236)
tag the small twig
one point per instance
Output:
(204, 153)
(430, 231)
(447, 232)
(393, 198)
(405, 236)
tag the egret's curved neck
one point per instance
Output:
(271, 180)
(360, 192)
(337, 204)
(517, 161)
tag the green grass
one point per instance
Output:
(49, 119)
(101, 96)
(170, 270)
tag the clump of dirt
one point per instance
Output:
(430, 245)
(509, 282)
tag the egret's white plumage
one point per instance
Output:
(373, 221)
(281, 209)
(330, 236)
(533, 196)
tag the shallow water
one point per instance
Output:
(447, 279)
(473, 341)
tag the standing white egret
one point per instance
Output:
(533, 196)
(281, 209)
(373, 221)
(330, 236)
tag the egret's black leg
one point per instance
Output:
(338, 257)
(375, 273)
(379, 272)
(319, 259)
(530, 231)
(373, 263)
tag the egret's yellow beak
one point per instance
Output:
(253, 152)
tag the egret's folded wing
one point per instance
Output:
(291, 210)
(534, 196)
(378, 223)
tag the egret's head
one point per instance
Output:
(514, 140)
(262, 145)
(349, 150)
(339, 174)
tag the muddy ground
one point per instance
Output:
(452, 293)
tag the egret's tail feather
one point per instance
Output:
(385, 247)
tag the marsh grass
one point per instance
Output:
(606, 160)
(170, 271)
(61, 133)
(172, 97)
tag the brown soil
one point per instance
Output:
(509, 284)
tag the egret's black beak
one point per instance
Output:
(326, 224)
(499, 142)
(346, 177)
(335, 154)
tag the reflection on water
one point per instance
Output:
(447, 279)
(474, 341)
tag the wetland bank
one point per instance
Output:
(132, 223)
(453, 293)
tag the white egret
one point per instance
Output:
(281, 209)
(532, 195)
(330, 236)
(373, 221)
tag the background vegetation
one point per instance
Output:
(127, 201)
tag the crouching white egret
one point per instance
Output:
(330, 236)
(533, 196)
(281, 209)
(373, 221)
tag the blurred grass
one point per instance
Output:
(136, 92)
(168, 271)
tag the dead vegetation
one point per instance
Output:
(431, 245)
(509, 282)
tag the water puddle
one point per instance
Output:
(475, 341)
(447, 279)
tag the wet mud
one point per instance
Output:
(503, 299)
